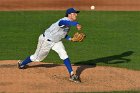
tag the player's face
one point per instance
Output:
(73, 16)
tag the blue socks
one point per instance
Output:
(68, 65)
(26, 61)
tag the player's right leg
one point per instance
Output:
(41, 52)
(22, 64)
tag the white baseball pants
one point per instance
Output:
(43, 48)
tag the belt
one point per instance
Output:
(44, 36)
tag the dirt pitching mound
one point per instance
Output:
(45, 78)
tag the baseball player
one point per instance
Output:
(51, 39)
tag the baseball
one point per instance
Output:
(92, 7)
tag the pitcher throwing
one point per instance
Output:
(51, 39)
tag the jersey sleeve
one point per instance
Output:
(67, 37)
(63, 23)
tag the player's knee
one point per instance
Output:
(35, 59)
(63, 55)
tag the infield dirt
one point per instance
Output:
(47, 78)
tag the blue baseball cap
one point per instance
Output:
(71, 10)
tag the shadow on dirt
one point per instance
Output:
(43, 65)
(115, 59)
(29, 66)
(8, 66)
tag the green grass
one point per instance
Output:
(113, 38)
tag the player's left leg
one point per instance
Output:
(60, 49)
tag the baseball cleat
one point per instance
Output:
(74, 78)
(19, 65)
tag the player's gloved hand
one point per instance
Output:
(78, 37)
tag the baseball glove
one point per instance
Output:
(78, 37)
